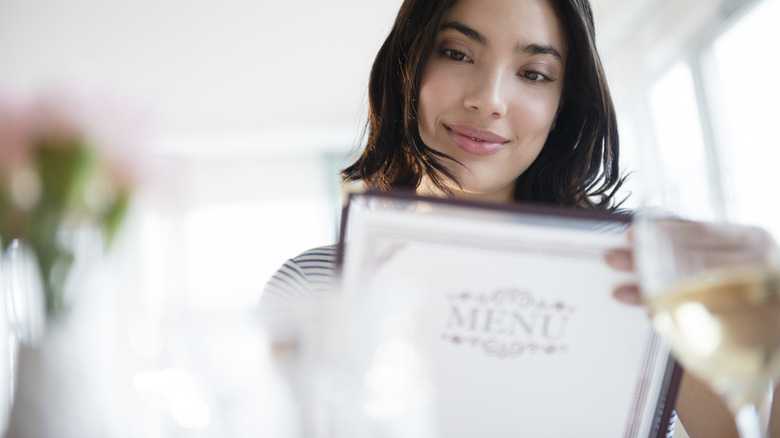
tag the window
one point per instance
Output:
(211, 245)
(713, 115)
(747, 60)
(683, 177)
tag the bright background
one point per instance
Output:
(257, 104)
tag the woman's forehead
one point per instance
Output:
(511, 22)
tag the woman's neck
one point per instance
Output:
(427, 188)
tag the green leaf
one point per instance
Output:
(115, 216)
(64, 169)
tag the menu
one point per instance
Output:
(496, 320)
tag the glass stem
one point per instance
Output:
(750, 423)
(753, 418)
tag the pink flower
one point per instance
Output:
(113, 127)
(16, 133)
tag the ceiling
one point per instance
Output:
(234, 66)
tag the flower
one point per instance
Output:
(68, 159)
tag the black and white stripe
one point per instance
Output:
(309, 275)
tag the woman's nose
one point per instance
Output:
(487, 95)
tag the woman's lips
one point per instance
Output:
(475, 140)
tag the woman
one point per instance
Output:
(466, 99)
(550, 96)
(491, 100)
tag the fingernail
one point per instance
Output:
(627, 295)
(618, 260)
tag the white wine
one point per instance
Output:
(724, 327)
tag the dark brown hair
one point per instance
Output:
(578, 165)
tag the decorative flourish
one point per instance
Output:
(511, 349)
(387, 250)
(512, 297)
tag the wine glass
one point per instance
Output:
(713, 290)
(709, 277)
(711, 282)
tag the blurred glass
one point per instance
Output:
(228, 375)
(367, 370)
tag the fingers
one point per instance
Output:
(620, 259)
(628, 294)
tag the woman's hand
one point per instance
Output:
(623, 260)
(716, 246)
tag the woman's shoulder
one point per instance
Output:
(307, 275)
(320, 253)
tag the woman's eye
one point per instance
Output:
(455, 55)
(534, 75)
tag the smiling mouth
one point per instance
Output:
(476, 134)
(475, 141)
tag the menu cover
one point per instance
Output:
(511, 313)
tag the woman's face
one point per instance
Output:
(491, 90)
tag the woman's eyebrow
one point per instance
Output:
(538, 49)
(473, 34)
(465, 30)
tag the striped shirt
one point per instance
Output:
(308, 275)
(312, 274)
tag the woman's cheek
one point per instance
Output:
(539, 113)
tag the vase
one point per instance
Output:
(49, 372)
(23, 294)
(22, 317)
(53, 391)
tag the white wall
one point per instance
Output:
(253, 102)
(205, 66)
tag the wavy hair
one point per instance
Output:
(578, 165)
